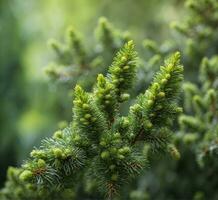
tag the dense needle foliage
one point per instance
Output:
(130, 111)
(100, 145)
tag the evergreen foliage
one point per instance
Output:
(100, 145)
(196, 136)
(199, 33)
(74, 60)
(117, 131)
(199, 126)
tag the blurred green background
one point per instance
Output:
(31, 107)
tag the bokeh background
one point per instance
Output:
(31, 107)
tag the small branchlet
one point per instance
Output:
(105, 96)
(122, 72)
(76, 45)
(157, 107)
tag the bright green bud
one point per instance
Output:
(105, 155)
(57, 135)
(26, 175)
(117, 141)
(37, 153)
(152, 115)
(57, 152)
(77, 102)
(103, 21)
(148, 124)
(168, 76)
(131, 135)
(115, 81)
(108, 96)
(26, 165)
(93, 119)
(124, 97)
(161, 94)
(150, 102)
(41, 163)
(126, 67)
(121, 79)
(164, 81)
(114, 177)
(117, 70)
(86, 123)
(82, 119)
(126, 150)
(85, 106)
(156, 86)
(121, 151)
(103, 143)
(78, 89)
(179, 110)
(117, 135)
(125, 123)
(135, 108)
(67, 152)
(130, 43)
(169, 67)
(87, 116)
(123, 59)
(107, 102)
(77, 138)
(174, 152)
(34, 153)
(190, 138)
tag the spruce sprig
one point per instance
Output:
(157, 106)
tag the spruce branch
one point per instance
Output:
(122, 72)
(100, 145)
(158, 105)
(73, 61)
(110, 38)
(79, 52)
